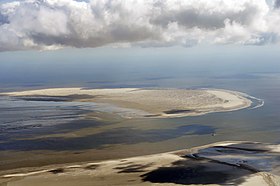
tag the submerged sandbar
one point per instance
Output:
(161, 103)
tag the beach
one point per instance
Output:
(120, 93)
(81, 156)
(160, 103)
(232, 162)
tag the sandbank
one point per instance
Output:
(223, 163)
(139, 102)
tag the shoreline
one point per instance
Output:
(221, 158)
(140, 103)
(134, 103)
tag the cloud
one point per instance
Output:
(53, 24)
(277, 3)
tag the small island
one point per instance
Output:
(141, 102)
(222, 163)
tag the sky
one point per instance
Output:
(57, 24)
(79, 41)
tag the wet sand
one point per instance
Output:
(224, 163)
(144, 170)
(158, 103)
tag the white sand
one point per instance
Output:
(234, 99)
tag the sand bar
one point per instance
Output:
(223, 163)
(161, 103)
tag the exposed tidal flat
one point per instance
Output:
(224, 163)
(147, 102)
(117, 123)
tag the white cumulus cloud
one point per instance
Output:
(53, 24)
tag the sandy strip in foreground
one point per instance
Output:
(153, 102)
(224, 163)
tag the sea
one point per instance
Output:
(32, 126)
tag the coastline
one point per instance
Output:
(153, 103)
(176, 103)
(235, 162)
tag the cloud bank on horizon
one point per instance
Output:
(54, 24)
